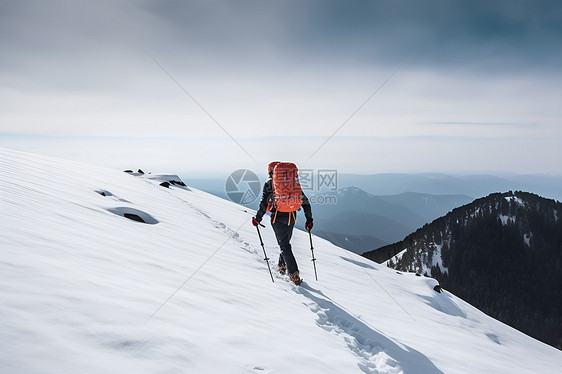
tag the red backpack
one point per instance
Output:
(287, 192)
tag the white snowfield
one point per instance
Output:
(85, 290)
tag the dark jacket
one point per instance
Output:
(267, 196)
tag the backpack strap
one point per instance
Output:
(292, 218)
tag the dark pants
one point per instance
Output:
(283, 233)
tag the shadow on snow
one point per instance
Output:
(376, 352)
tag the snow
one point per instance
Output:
(507, 219)
(476, 212)
(399, 255)
(436, 259)
(527, 239)
(84, 289)
(516, 199)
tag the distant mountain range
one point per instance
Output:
(385, 184)
(501, 253)
(358, 221)
(374, 210)
(549, 186)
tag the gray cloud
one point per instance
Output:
(39, 37)
(81, 68)
(490, 34)
(65, 44)
(508, 124)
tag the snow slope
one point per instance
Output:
(85, 290)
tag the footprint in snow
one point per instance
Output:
(106, 193)
(257, 369)
(376, 353)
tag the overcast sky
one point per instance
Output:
(207, 87)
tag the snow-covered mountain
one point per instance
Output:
(83, 289)
(501, 253)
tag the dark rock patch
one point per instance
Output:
(168, 181)
(104, 193)
(178, 183)
(134, 215)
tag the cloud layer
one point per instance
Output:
(288, 70)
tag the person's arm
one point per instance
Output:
(267, 191)
(307, 211)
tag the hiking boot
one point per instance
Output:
(295, 278)
(282, 269)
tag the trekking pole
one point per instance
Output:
(312, 250)
(265, 254)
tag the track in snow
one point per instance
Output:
(376, 353)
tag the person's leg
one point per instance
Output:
(281, 264)
(283, 233)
